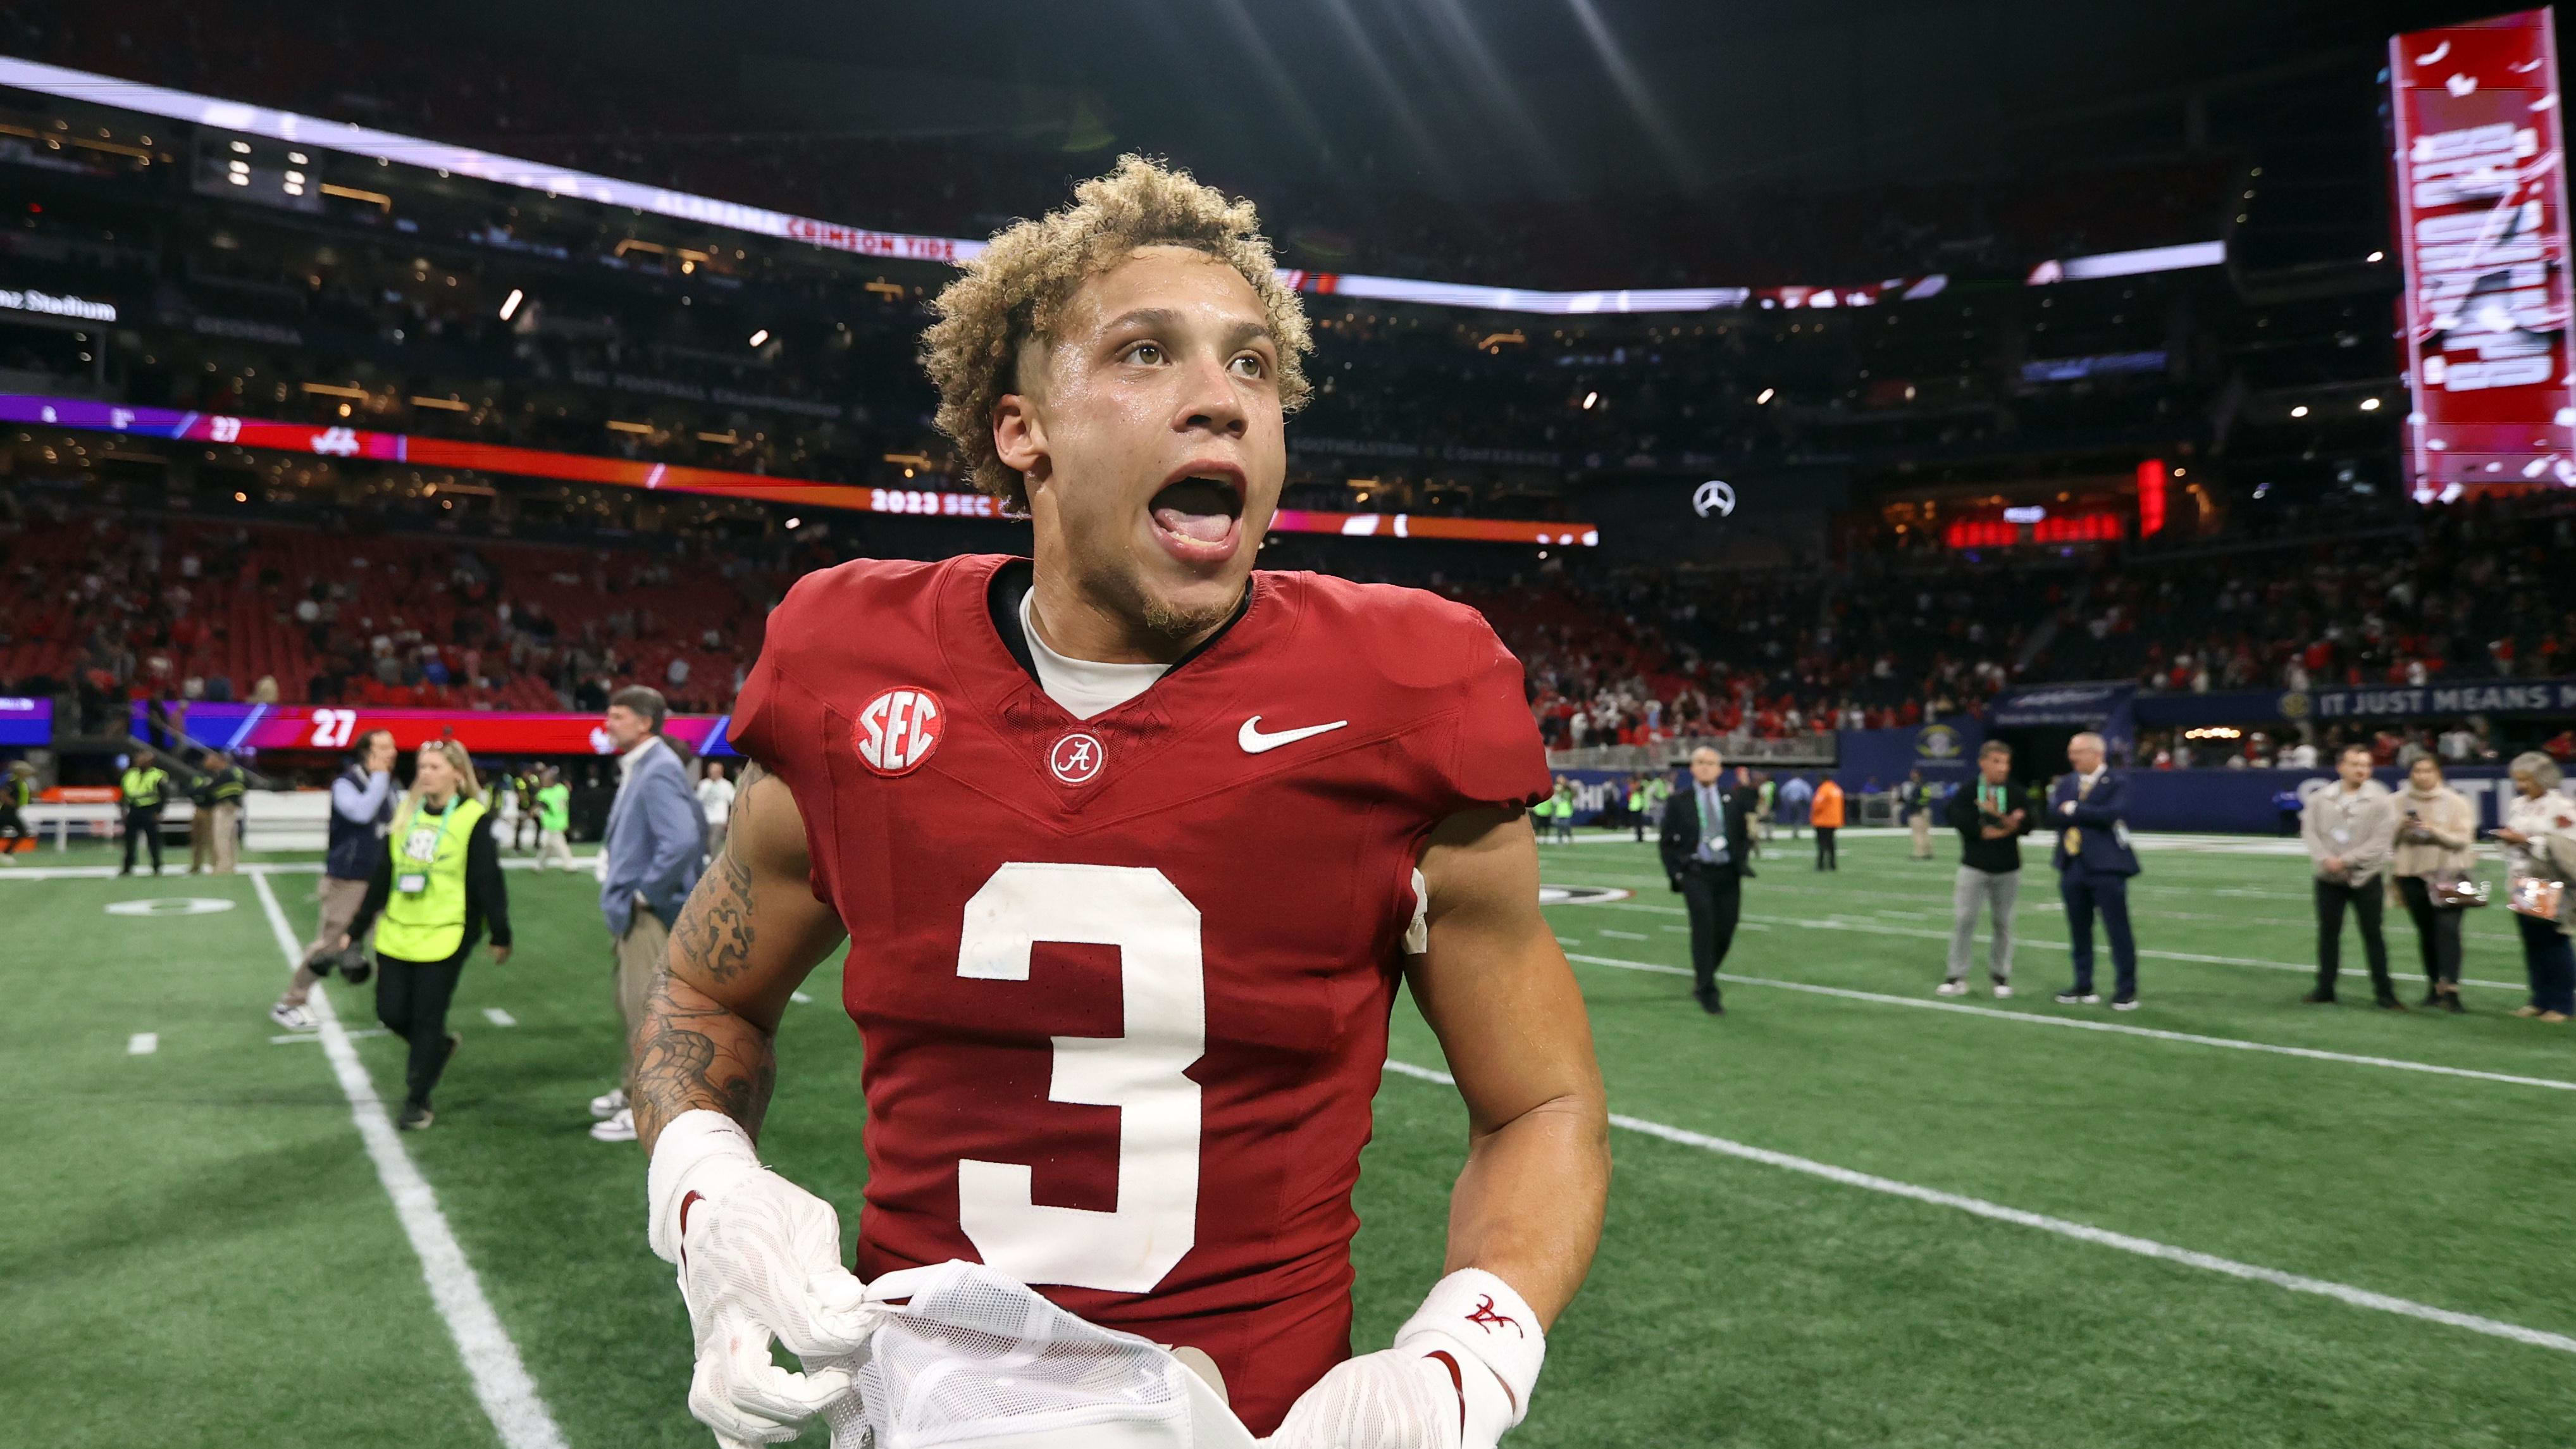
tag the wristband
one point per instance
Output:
(700, 1153)
(1480, 1321)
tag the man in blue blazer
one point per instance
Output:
(648, 864)
(2089, 810)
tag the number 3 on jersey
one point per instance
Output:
(1162, 984)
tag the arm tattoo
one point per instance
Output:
(692, 1053)
(714, 930)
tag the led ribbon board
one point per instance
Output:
(343, 442)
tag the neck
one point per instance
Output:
(1076, 618)
(436, 799)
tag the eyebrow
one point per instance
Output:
(1161, 317)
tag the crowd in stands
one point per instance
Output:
(108, 607)
(2478, 591)
(107, 610)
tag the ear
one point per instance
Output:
(1019, 437)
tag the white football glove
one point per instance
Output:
(759, 1259)
(1459, 1376)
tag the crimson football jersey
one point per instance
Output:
(1123, 983)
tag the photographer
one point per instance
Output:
(2436, 851)
(437, 888)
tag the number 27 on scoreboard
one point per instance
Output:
(332, 728)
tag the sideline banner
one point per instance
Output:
(2366, 702)
(251, 728)
(2482, 230)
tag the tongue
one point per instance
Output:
(1204, 527)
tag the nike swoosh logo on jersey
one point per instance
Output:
(1254, 742)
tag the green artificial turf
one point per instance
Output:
(195, 1249)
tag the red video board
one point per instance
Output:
(2482, 229)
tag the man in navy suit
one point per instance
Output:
(1708, 854)
(2089, 810)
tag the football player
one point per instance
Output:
(1132, 844)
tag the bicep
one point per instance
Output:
(752, 929)
(1493, 984)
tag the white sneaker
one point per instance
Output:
(1951, 988)
(620, 1128)
(2002, 992)
(608, 1104)
(293, 1018)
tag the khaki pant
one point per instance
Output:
(638, 959)
(1974, 893)
(340, 902)
(715, 838)
(227, 834)
(552, 847)
(201, 838)
(1922, 832)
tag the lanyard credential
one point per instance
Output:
(413, 882)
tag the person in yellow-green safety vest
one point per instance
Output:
(1557, 811)
(144, 785)
(554, 817)
(436, 891)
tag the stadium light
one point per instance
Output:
(1763, 396)
(795, 522)
(511, 303)
(1589, 399)
(2370, 404)
(760, 337)
(2376, 257)
(2300, 411)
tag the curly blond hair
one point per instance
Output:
(1017, 288)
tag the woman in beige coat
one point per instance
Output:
(2437, 832)
(2539, 835)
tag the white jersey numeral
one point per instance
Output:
(1162, 984)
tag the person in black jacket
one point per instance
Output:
(437, 889)
(1991, 823)
(1707, 848)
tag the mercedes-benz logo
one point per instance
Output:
(1715, 497)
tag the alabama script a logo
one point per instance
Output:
(1487, 1319)
(898, 729)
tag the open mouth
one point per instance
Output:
(1199, 513)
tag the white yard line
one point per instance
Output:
(2085, 1024)
(501, 1381)
(143, 1044)
(498, 1017)
(2066, 1228)
(292, 1037)
(1928, 933)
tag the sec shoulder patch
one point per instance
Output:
(898, 730)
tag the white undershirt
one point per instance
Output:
(1084, 687)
